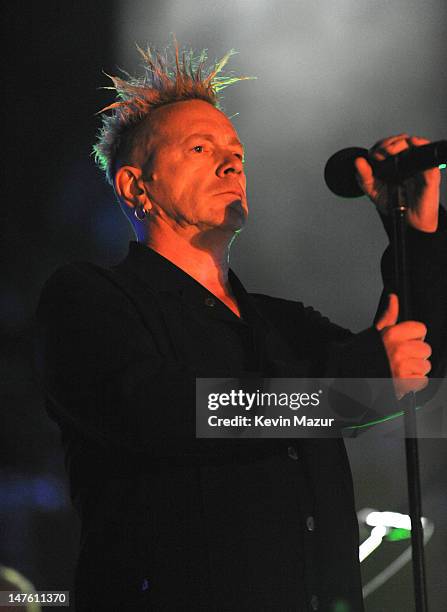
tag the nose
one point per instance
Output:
(230, 164)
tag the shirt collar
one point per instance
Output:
(162, 275)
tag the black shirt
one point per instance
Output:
(170, 522)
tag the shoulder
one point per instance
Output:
(85, 306)
(77, 272)
(84, 287)
(89, 279)
(283, 307)
(272, 302)
(79, 279)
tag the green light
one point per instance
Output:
(387, 418)
(442, 166)
(382, 420)
(397, 533)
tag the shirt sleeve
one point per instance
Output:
(100, 368)
(427, 265)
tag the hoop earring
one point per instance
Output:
(140, 213)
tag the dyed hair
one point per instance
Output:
(163, 82)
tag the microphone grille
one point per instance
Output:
(340, 173)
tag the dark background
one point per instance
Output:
(329, 75)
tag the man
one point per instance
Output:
(170, 522)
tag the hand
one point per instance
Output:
(420, 192)
(406, 350)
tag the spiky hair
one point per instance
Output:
(165, 80)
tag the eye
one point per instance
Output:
(240, 156)
(198, 149)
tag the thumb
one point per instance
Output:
(365, 177)
(391, 313)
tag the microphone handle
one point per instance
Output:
(404, 165)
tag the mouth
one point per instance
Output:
(235, 194)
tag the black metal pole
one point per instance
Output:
(399, 212)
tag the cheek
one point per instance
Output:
(193, 182)
(183, 191)
(167, 183)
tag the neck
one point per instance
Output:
(204, 255)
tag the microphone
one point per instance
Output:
(340, 172)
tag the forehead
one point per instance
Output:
(176, 122)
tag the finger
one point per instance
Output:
(386, 141)
(417, 349)
(414, 367)
(365, 177)
(417, 142)
(391, 149)
(394, 145)
(391, 313)
(405, 385)
(363, 167)
(408, 330)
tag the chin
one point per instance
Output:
(233, 225)
(225, 230)
(235, 215)
(233, 220)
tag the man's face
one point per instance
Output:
(194, 173)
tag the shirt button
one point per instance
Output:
(314, 603)
(310, 524)
(209, 301)
(291, 451)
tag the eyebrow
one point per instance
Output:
(233, 141)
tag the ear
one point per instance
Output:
(130, 189)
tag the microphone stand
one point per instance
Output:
(398, 210)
